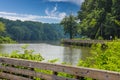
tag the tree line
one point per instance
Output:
(98, 19)
(30, 31)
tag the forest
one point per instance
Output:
(31, 31)
(98, 19)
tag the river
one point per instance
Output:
(66, 54)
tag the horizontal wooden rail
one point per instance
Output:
(84, 42)
(25, 70)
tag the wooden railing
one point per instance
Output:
(84, 42)
(18, 69)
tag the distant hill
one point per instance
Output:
(32, 31)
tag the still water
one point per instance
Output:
(67, 54)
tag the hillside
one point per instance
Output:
(32, 31)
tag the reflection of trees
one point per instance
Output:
(85, 52)
(1, 48)
(71, 55)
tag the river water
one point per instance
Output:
(65, 54)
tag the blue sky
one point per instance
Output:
(46, 11)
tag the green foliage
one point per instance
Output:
(6, 40)
(27, 54)
(65, 75)
(70, 25)
(24, 46)
(100, 18)
(32, 31)
(100, 38)
(2, 27)
(104, 56)
(53, 60)
(3, 37)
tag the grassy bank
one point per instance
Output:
(104, 57)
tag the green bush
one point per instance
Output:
(27, 54)
(104, 56)
(6, 40)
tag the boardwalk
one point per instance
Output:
(84, 42)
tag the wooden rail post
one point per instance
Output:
(54, 75)
(32, 69)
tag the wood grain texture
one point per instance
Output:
(12, 77)
(77, 71)
(26, 72)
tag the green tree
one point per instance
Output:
(18, 33)
(70, 25)
(3, 37)
(100, 18)
(32, 31)
(2, 27)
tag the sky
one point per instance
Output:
(46, 11)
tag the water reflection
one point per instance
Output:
(71, 55)
(1, 48)
(85, 52)
(64, 54)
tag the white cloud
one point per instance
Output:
(78, 2)
(28, 17)
(55, 13)
(46, 11)
(54, 9)
(62, 15)
(52, 12)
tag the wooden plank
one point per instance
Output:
(78, 71)
(26, 72)
(69, 41)
(12, 77)
(33, 74)
(62, 78)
